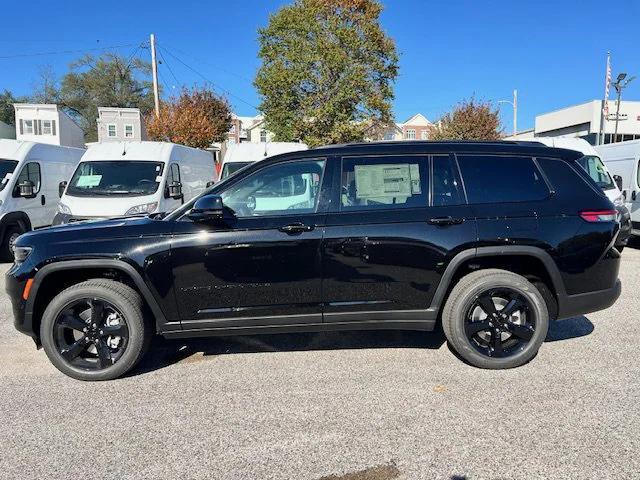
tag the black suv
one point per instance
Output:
(493, 240)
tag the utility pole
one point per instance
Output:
(154, 71)
(619, 85)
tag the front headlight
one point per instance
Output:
(142, 209)
(62, 208)
(20, 254)
(619, 202)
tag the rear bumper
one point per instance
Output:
(583, 303)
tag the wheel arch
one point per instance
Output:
(15, 218)
(532, 262)
(53, 278)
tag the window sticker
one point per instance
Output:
(389, 180)
(89, 181)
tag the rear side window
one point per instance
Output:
(446, 184)
(565, 180)
(382, 183)
(500, 179)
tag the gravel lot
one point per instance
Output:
(354, 406)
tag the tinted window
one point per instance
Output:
(370, 183)
(282, 189)
(30, 172)
(498, 179)
(115, 178)
(564, 179)
(445, 181)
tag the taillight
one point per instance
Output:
(599, 215)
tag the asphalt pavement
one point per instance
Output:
(339, 406)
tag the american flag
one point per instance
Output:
(607, 84)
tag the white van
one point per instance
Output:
(117, 179)
(591, 163)
(31, 175)
(623, 159)
(240, 155)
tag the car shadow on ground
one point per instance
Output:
(163, 352)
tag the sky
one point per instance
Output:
(553, 53)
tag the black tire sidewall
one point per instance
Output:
(462, 344)
(132, 317)
(6, 252)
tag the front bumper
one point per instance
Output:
(583, 303)
(14, 286)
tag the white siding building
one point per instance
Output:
(46, 123)
(120, 125)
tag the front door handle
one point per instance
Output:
(296, 228)
(442, 221)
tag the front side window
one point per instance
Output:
(446, 185)
(498, 179)
(6, 169)
(118, 177)
(173, 176)
(30, 173)
(386, 182)
(111, 130)
(597, 171)
(282, 189)
(128, 131)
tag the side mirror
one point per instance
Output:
(25, 189)
(174, 190)
(618, 180)
(61, 188)
(207, 208)
(209, 183)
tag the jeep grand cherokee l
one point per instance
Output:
(493, 240)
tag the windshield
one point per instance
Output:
(597, 171)
(125, 178)
(231, 168)
(6, 166)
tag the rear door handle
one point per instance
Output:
(296, 228)
(442, 221)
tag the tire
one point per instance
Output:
(115, 297)
(525, 330)
(10, 235)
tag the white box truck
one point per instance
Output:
(31, 176)
(118, 179)
(240, 155)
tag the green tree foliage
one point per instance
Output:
(469, 120)
(327, 71)
(7, 112)
(106, 81)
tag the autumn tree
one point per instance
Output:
(106, 81)
(469, 120)
(327, 71)
(196, 118)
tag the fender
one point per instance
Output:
(97, 263)
(478, 252)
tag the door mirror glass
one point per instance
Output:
(61, 188)
(174, 190)
(618, 180)
(207, 208)
(26, 189)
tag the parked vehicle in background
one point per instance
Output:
(240, 155)
(623, 161)
(387, 239)
(118, 179)
(30, 178)
(597, 170)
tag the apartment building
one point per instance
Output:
(46, 123)
(120, 124)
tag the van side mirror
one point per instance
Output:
(209, 183)
(207, 208)
(62, 186)
(174, 190)
(26, 189)
(618, 180)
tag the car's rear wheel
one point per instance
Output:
(495, 319)
(95, 330)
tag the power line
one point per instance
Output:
(209, 81)
(164, 61)
(64, 52)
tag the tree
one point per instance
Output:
(46, 88)
(7, 112)
(106, 81)
(327, 71)
(469, 120)
(197, 118)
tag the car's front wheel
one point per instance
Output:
(495, 319)
(95, 330)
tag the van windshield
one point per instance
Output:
(596, 170)
(230, 168)
(6, 166)
(120, 177)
